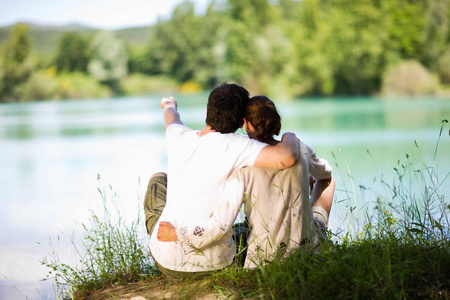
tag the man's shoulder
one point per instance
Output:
(175, 126)
(177, 129)
(243, 139)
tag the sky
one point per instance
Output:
(102, 14)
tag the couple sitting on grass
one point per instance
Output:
(190, 212)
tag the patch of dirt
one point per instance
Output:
(161, 288)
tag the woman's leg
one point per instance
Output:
(322, 198)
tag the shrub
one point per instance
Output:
(138, 84)
(39, 87)
(80, 86)
(409, 78)
(444, 67)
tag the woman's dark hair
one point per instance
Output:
(264, 117)
(226, 107)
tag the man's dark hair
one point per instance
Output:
(226, 107)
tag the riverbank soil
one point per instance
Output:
(161, 288)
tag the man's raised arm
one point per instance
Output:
(171, 115)
(281, 156)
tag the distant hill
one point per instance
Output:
(45, 37)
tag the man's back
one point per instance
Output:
(198, 168)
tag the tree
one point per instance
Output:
(437, 37)
(15, 63)
(109, 60)
(72, 54)
(405, 24)
(184, 47)
(322, 47)
(343, 47)
(258, 48)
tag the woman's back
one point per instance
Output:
(277, 206)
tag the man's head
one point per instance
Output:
(226, 107)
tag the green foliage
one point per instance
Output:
(45, 85)
(405, 31)
(436, 33)
(254, 26)
(40, 86)
(72, 53)
(341, 47)
(109, 60)
(15, 63)
(444, 67)
(368, 269)
(183, 47)
(257, 14)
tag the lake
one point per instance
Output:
(51, 154)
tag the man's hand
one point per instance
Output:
(166, 232)
(171, 114)
(168, 102)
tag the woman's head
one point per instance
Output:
(263, 116)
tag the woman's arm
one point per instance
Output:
(281, 156)
(221, 221)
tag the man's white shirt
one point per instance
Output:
(198, 168)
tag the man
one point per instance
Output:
(199, 163)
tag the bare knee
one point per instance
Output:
(159, 174)
(323, 193)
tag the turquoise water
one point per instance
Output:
(52, 152)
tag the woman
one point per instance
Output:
(277, 202)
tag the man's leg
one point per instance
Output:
(241, 231)
(154, 203)
(155, 200)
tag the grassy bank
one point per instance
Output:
(400, 249)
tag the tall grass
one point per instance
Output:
(111, 252)
(413, 209)
(376, 268)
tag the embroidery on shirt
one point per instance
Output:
(198, 231)
(186, 244)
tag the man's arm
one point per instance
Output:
(281, 156)
(171, 115)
